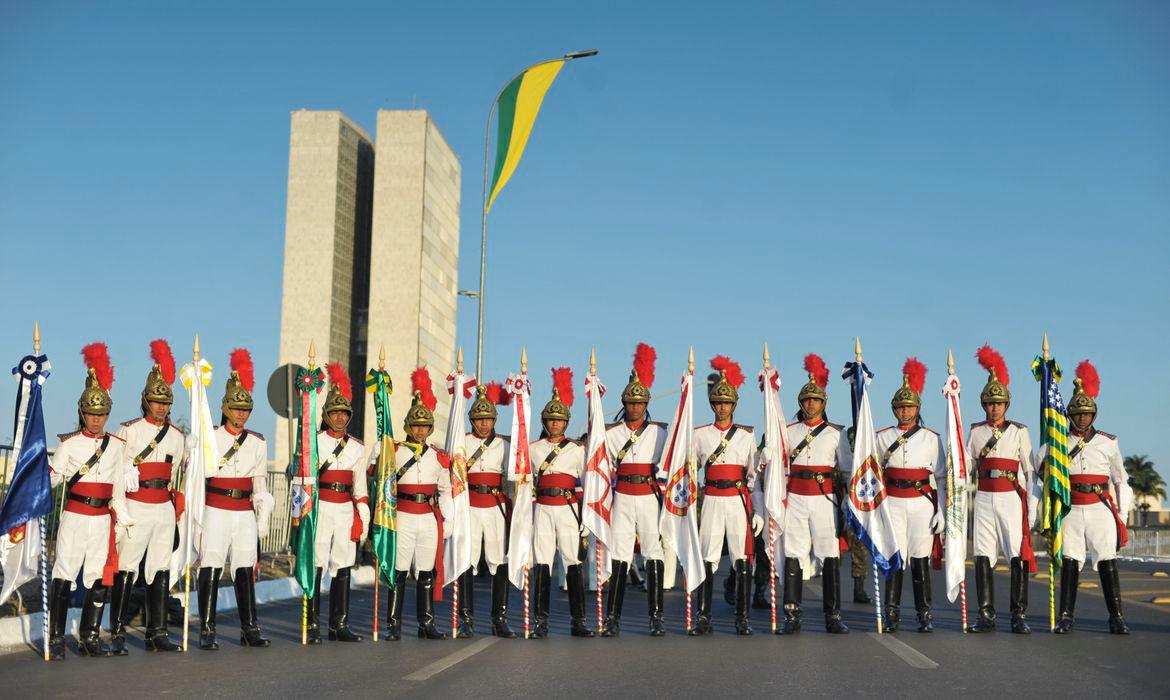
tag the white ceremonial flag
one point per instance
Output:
(457, 550)
(201, 465)
(598, 503)
(775, 455)
(679, 521)
(519, 469)
(955, 539)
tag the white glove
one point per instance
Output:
(1033, 509)
(263, 503)
(447, 530)
(937, 522)
(132, 479)
(363, 510)
(757, 524)
(123, 523)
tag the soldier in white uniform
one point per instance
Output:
(423, 488)
(1094, 529)
(559, 463)
(913, 464)
(154, 454)
(89, 463)
(819, 461)
(1001, 452)
(489, 511)
(635, 447)
(238, 502)
(726, 452)
(343, 508)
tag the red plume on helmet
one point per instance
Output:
(644, 357)
(97, 358)
(420, 381)
(563, 382)
(241, 363)
(1090, 382)
(497, 395)
(915, 373)
(340, 379)
(990, 359)
(815, 366)
(160, 352)
(730, 369)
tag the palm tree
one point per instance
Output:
(1145, 481)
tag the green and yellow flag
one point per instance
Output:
(516, 112)
(1057, 497)
(384, 491)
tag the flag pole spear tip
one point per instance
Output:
(857, 347)
(382, 357)
(950, 362)
(1045, 346)
(459, 361)
(767, 358)
(691, 361)
(36, 337)
(593, 361)
(312, 352)
(195, 348)
(523, 360)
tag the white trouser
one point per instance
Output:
(418, 540)
(1089, 534)
(556, 529)
(488, 537)
(229, 532)
(810, 529)
(910, 518)
(635, 516)
(722, 518)
(997, 524)
(83, 542)
(332, 548)
(152, 535)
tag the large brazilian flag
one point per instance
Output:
(518, 105)
(385, 502)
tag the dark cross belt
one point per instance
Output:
(480, 450)
(721, 448)
(89, 463)
(902, 440)
(410, 462)
(807, 440)
(236, 445)
(1081, 445)
(337, 450)
(153, 444)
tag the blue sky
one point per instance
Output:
(924, 175)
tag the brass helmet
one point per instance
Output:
(725, 389)
(482, 407)
(95, 398)
(562, 396)
(996, 389)
(340, 396)
(237, 393)
(635, 391)
(161, 376)
(913, 381)
(641, 376)
(1088, 385)
(818, 379)
(422, 405)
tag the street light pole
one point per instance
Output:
(483, 221)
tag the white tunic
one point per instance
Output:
(488, 527)
(333, 547)
(999, 522)
(418, 533)
(911, 516)
(1090, 531)
(83, 541)
(635, 515)
(556, 528)
(810, 520)
(153, 534)
(233, 532)
(723, 518)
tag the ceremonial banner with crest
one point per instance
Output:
(598, 477)
(955, 540)
(304, 481)
(519, 468)
(385, 498)
(679, 521)
(775, 455)
(457, 551)
(201, 465)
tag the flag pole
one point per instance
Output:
(523, 373)
(304, 595)
(877, 588)
(198, 377)
(771, 524)
(44, 537)
(1044, 503)
(377, 565)
(458, 386)
(950, 498)
(597, 542)
(687, 584)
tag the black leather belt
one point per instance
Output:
(230, 493)
(1087, 488)
(418, 497)
(337, 486)
(999, 474)
(154, 484)
(819, 477)
(90, 501)
(556, 493)
(484, 489)
(724, 483)
(907, 483)
(636, 478)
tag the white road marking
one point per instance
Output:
(904, 651)
(451, 659)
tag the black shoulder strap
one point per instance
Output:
(718, 451)
(1077, 450)
(480, 450)
(549, 459)
(621, 454)
(239, 442)
(902, 440)
(153, 444)
(333, 455)
(996, 434)
(411, 462)
(808, 438)
(89, 463)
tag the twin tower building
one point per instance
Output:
(371, 253)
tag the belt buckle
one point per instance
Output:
(1097, 489)
(820, 478)
(1010, 476)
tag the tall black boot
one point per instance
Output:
(920, 577)
(1019, 592)
(394, 617)
(208, 597)
(655, 570)
(246, 605)
(893, 602)
(1070, 574)
(762, 597)
(339, 630)
(831, 578)
(743, 596)
(59, 590)
(541, 591)
(613, 601)
(424, 597)
(500, 586)
(793, 592)
(89, 632)
(985, 592)
(157, 592)
(313, 626)
(703, 603)
(575, 579)
(119, 603)
(729, 586)
(466, 613)
(859, 594)
(1111, 587)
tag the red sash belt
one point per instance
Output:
(1101, 496)
(802, 485)
(491, 480)
(998, 484)
(148, 471)
(430, 506)
(723, 472)
(557, 480)
(218, 500)
(902, 474)
(336, 476)
(632, 489)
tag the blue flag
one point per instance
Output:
(28, 495)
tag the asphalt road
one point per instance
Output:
(1088, 662)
